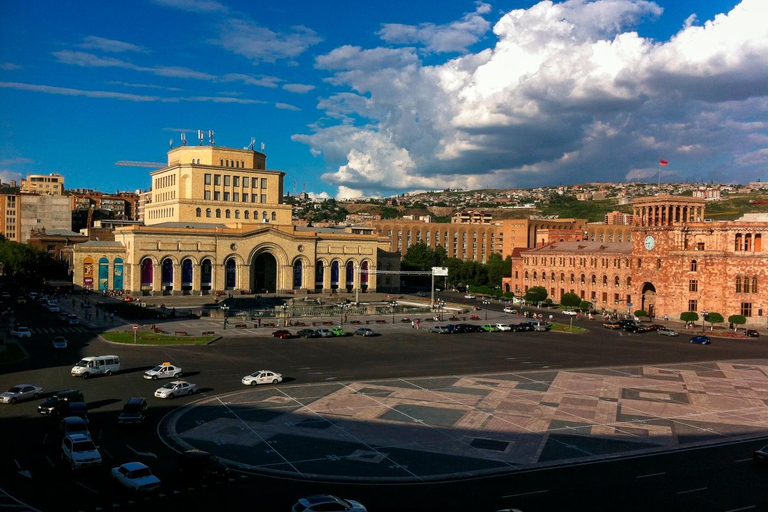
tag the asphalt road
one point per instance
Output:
(708, 479)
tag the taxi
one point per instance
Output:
(262, 377)
(163, 371)
(176, 388)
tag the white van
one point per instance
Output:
(99, 365)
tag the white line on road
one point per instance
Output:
(50, 461)
(651, 474)
(145, 454)
(17, 463)
(742, 508)
(693, 490)
(87, 488)
(525, 493)
(745, 460)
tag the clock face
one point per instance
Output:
(650, 242)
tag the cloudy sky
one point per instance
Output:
(378, 98)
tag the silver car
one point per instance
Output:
(20, 392)
(668, 332)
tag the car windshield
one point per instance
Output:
(77, 427)
(156, 368)
(255, 374)
(15, 389)
(131, 408)
(141, 473)
(82, 362)
(83, 446)
(170, 385)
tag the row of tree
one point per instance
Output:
(460, 273)
(23, 267)
(713, 318)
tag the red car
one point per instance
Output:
(282, 333)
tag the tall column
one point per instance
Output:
(157, 276)
(176, 279)
(196, 277)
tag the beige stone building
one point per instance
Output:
(216, 222)
(45, 184)
(24, 214)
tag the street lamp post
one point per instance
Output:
(225, 309)
(486, 303)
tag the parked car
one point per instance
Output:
(79, 409)
(752, 333)
(469, 296)
(79, 451)
(282, 334)
(262, 377)
(136, 477)
(612, 325)
(338, 331)
(510, 310)
(134, 411)
(198, 465)
(701, 340)
(57, 401)
(667, 332)
(490, 328)
(53, 307)
(21, 392)
(440, 329)
(59, 342)
(74, 425)
(163, 371)
(307, 333)
(327, 503)
(761, 456)
(570, 312)
(21, 332)
(504, 327)
(523, 326)
(324, 333)
(542, 327)
(176, 388)
(364, 331)
(72, 319)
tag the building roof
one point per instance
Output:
(98, 243)
(582, 247)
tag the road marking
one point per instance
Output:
(45, 437)
(145, 454)
(745, 460)
(50, 461)
(742, 508)
(651, 474)
(86, 488)
(692, 490)
(107, 453)
(17, 463)
(525, 493)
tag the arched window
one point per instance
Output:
(364, 275)
(562, 277)
(616, 280)
(230, 271)
(552, 276)
(274, 215)
(208, 212)
(526, 274)
(246, 214)
(255, 215)
(198, 212)
(758, 242)
(605, 280)
(186, 274)
(103, 274)
(573, 279)
(227, 214)
(737, 242)
(147, 273)
(298, 273)
(754, 284)
(629, 281)
(583, 279)
(535, 275)
(264, 216)
(117, 274)
(166, 273)
(658, 263)
(218, 213)
(594, 279)
(694, 266)
(335, 275)
(319, 274)
(738, 284)
(237, 214)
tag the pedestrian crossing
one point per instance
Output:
(58, 330)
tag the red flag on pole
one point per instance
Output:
(663, 162)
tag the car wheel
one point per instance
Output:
(85, 375)
(178, 374)
(13, 400)
(274, 381)
(191, 391)
(109, 372)
(37, 395)
(154, 377)
(171, 396)
(254, 383)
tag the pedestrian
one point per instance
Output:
(413, 324)
(111, 317)
(418, 323)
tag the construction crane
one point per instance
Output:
(131, 163)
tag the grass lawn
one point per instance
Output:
(565, 328)
(150, 338)
(10, 353)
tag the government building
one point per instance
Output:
(215, 221)
(670, 261)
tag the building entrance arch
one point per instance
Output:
(648, 294)
(264, 273)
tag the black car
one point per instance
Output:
(79, 409)
(134, 412)
(523, 326)
(468, 328)
(307, 333)
(54, 404)
(200, 465)
(753, 333)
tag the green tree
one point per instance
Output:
(570, 300)
(585, 305)
(689, 316)
(715, 318)
(641, 313)
(387, 212)
(737, 320)
(418, 257)
(25, 267)
(535, 295)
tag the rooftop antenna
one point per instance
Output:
(183, 139)
(170, 143)
(262, 147)
(253, 143)
(200, 136)
(210, 138)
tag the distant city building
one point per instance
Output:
(122, 205)
(708, 193)
(471, 217)
(618, 218)
(362, 218)
(420, 218)
(9, 216)
(23, 214)
(51, 184)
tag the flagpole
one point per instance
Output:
(659, 175)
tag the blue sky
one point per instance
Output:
(376, 98)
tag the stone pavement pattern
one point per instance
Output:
(450, 427)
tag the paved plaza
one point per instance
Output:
(451, 427)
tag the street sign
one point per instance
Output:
(629, 304)
(135, 327)
(439, 271)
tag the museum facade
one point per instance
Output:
(216, 222)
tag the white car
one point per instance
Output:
(503, 327)
(176, 388)
(510, 310)
(262, 377)
(53, 307)
(469, 296)
(163, 371)
(327, 502)
(21, 332)
(72, 319)
(21, 392)
(59, 342)
(136, 476)
(79, 451)
(571, 313)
